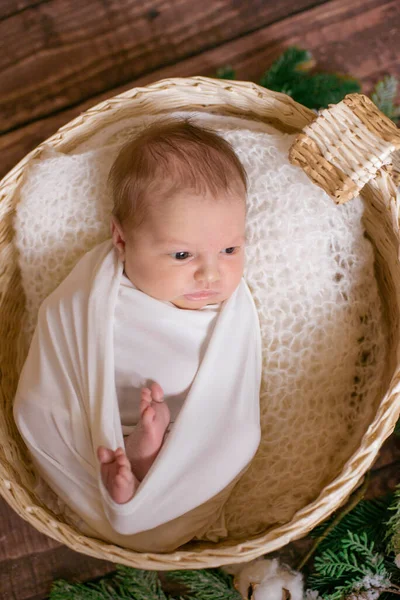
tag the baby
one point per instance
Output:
(178, 227)
(160, 311)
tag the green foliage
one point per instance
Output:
(124, 584)
(347, 562)
(356, 565)
(319, 90)
(210, 584)
(290, 74)
(368, 516)
(393, 524)
(226, 73)
(291, 67)
(137, 584)
(384, 96)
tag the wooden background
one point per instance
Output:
(59, 57)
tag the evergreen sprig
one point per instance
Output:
(357, 566)
(368, 516)
(291, 74)
(393, 524)
(384, 96)
(205, 584)
(137, 584)
(125, 584)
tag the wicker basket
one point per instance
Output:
(344, 151)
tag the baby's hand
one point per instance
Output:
(116, 474)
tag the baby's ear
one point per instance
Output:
(118, 237)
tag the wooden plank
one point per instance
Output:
(74, 50)
(31, 561)
(343, 37)
(8, 8)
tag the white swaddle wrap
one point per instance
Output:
(145, 351)
(66, 405)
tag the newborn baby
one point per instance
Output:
(179, 229)
(142, 381)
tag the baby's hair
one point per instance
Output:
(167, 157)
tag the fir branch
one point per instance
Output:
(205, 584)
(355, 568)
(290, 74)
(330, 529)
(366, 515)
(384, 95)
(288, 67)
(319, 90)
(103, 590)
(393, 524)
(226, 72)
(125, 584)
(139, 584)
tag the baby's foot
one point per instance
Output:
(117, 474)
(144, 443)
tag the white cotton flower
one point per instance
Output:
(312, 595)
(268, 580)
(397, 561)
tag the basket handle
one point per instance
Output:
(346, 146)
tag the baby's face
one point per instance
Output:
(189, 251)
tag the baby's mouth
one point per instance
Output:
(203, 295)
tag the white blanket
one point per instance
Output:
(161, 351)
(66, 406)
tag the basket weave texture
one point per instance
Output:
(370, 141)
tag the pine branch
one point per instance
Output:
(356, 567)
(139, 584)
(319, 90)
(393, 524)
(226, 72)
(384, 96)
(327, 532)
(103, 590)
(290, 74)
(210, 584)
(125, 584)
(366, 515)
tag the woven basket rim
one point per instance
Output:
(260, 101)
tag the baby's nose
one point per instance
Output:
(208, 272)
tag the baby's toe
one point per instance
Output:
(122, 460)
(148, 416)
(105, 455)
(145, 394)
(157, 392)
(126, 474)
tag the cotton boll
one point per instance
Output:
(268, 580)
(282, 587)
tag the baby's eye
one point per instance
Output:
(231, 250)
(180, 255)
